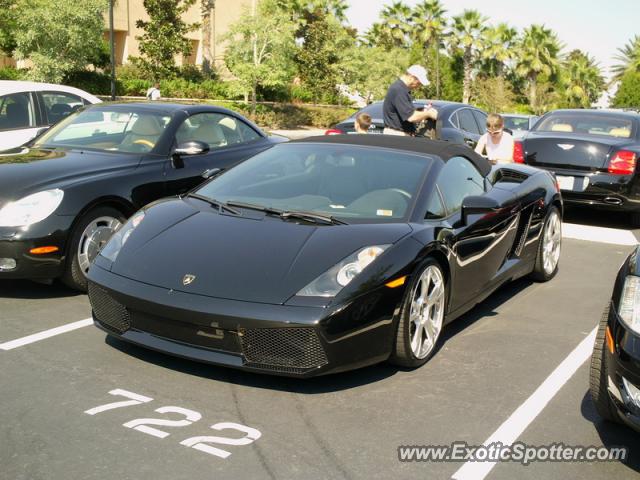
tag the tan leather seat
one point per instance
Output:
(620, 132)
(210, 133)
(145, 131)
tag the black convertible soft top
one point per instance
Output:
(444, 150)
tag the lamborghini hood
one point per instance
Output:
(254, 258)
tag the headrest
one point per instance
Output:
(210, 133)
(60, 109)
(147, 125)
(16, 109)
(228, 122)
(562, 127)
(620, 132)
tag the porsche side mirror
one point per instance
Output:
(193, 147)
(478, 205)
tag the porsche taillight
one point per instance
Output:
(518, 152)
(623, 163)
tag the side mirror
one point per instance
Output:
(193, 147)
(478, 205)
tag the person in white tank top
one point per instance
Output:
(496, 144)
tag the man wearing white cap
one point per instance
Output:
(400, 116)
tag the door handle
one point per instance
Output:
(469, 141)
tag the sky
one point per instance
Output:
(598, 27)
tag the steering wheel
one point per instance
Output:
(142, 141)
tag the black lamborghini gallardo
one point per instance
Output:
(326, 254)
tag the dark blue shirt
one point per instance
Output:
(398, 107)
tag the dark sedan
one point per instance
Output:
(327, 254)
(594, 154)
(62, 197)
(457, 122)
(615, 364)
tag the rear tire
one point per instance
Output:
(89, 236)
(598, 380)
(421, 317)
(549, 247)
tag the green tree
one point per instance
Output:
(318, 58)
(395, 26)
(628, 93)
(498, 49)
(59, 37)
(537, 55)
(164, 37)
(629, 59)
(429, 27)
(494, 94)
(583, 80)
(8, 23)
(467, 31)
(260, 50)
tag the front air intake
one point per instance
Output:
(110, 313)
(285, 350)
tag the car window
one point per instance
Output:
(467, 122)
(107, 130)
(59, 105)
(481, 120)
(215, 129)
(16, 111)
(454, 120)
(347, 181)
(458, 179)
(516, 123)
(597, 124)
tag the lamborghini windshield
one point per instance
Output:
(341, 181)
(118, 130)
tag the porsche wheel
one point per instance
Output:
(598, 373)
(422, 316)
(89, 236)
(548, 256)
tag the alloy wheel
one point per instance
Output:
(427, 311)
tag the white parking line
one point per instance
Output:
(36, 337)
(614, 236)
(526, 413)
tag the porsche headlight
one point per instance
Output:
(116, 242)
(30, 209)
(333, 280)
(629, 309)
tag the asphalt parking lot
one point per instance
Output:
(59, 419)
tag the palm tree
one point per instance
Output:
(538, 55)
(396, 23)
(207, 7)
(467, 30)
(498, 49)
(583, 79)
(630, 58)
(429, 25)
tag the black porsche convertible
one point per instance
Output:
(62, 196)
(327, 254)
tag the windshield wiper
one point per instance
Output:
(212, 201)
(253, 206)
(313, 217)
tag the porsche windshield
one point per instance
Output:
(352, 182)
(107, 130)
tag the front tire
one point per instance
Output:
(549, 247)
(89, 235)
(422, 316)
(598, 373)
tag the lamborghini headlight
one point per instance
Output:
(30, 209)
(333, 280)
(629, 309)
(118, 239)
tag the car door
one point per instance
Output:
(18, 119)
(230, 141)
(482, 243)
(468, 127)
